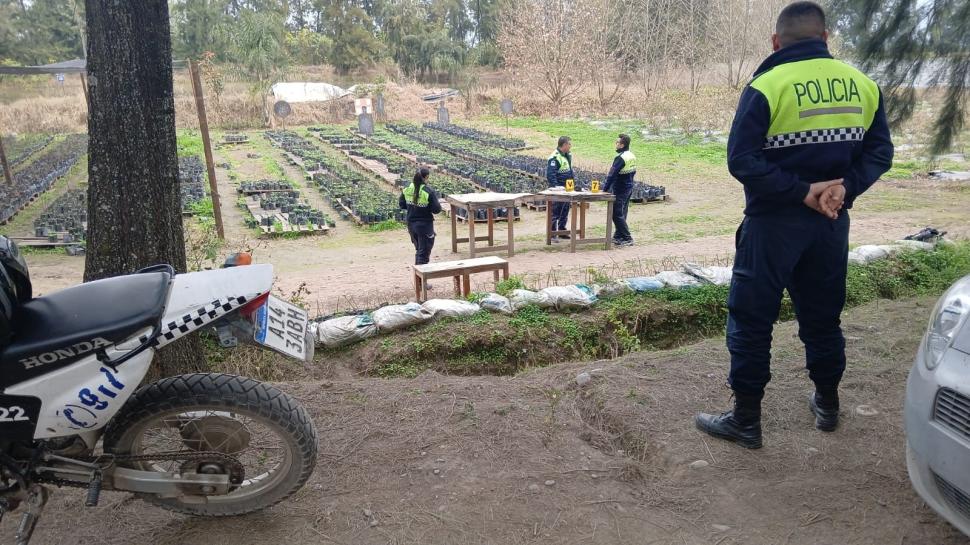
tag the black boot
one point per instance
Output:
(824, 403)
(741, 426)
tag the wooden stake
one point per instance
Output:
(3, 162)
(207, 145)
(84, 87)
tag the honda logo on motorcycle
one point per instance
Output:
(72, 351)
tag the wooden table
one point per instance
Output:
(461, 271)
(489, 201)
(578, 204)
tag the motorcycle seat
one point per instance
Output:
(55, 330)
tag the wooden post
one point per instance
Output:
(6, 167)
(84, 87)
(453, 212)
(548, 222)
(511, 242)
(471, 234)
(207, 145)
(572, 226)
(491, 226)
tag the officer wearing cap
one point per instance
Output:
(809, 137)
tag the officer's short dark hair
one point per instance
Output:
(563, 140)
(800, 21)
(625, 139)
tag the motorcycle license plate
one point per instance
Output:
(282, 326)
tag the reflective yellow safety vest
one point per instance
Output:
(564, 165)
(423, 197)
(817, 101)
(629, 162)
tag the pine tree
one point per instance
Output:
(912, 43)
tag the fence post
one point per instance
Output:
(3, 162)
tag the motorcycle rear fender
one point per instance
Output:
(197, 299)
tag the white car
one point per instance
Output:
(938, 410)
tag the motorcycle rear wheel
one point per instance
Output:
(267, 431)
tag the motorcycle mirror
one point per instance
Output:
(238, 259)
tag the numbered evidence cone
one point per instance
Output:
(570, 185)
(594, 186)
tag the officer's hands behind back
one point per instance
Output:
(826, 198)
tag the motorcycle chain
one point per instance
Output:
(234, 466)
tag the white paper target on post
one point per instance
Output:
(363, 105)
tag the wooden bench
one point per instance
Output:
(460, 271)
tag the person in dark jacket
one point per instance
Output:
(809, 137)
(558, 170)
(619, 182)
(422, 204)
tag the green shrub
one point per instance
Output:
(506, 286)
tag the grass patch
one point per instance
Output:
(501, 345)
(597, 142)
(386, 225)
(189, 142)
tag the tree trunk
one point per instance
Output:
(134, 206)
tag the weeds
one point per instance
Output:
(654, 320)
(386, 225)
(506, 286)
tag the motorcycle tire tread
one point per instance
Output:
(219, 390)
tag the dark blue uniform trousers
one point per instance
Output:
(807, 254)
(620, 208)
(422, 236)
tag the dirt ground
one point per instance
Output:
(352, 268)
(537, 459)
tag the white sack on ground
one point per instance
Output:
(345, 330)
(394, 317)
(450, 308)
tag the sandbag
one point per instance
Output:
(916, 245)
(345, 330)
(867, 254)
(394, 317)
(644, 283)
(677, 279)
(450, 308)
(496, 303)
(570, 297)
(613, 289)
(522, 298)
(719, 276)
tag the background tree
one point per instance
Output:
(910, 43)
(258, 45)
(45, 32)
(541, 42)
(195, 27)
(351, 31)
(132, 152)
(742, 36)
(608, 53)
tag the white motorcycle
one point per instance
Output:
(72, 412)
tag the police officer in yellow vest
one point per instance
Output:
(422, 204)
(620, 182)
(809, 137)
(559, 169)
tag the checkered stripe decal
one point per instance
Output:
(817, 136)
(196, 319)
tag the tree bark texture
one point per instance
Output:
(134, 205)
